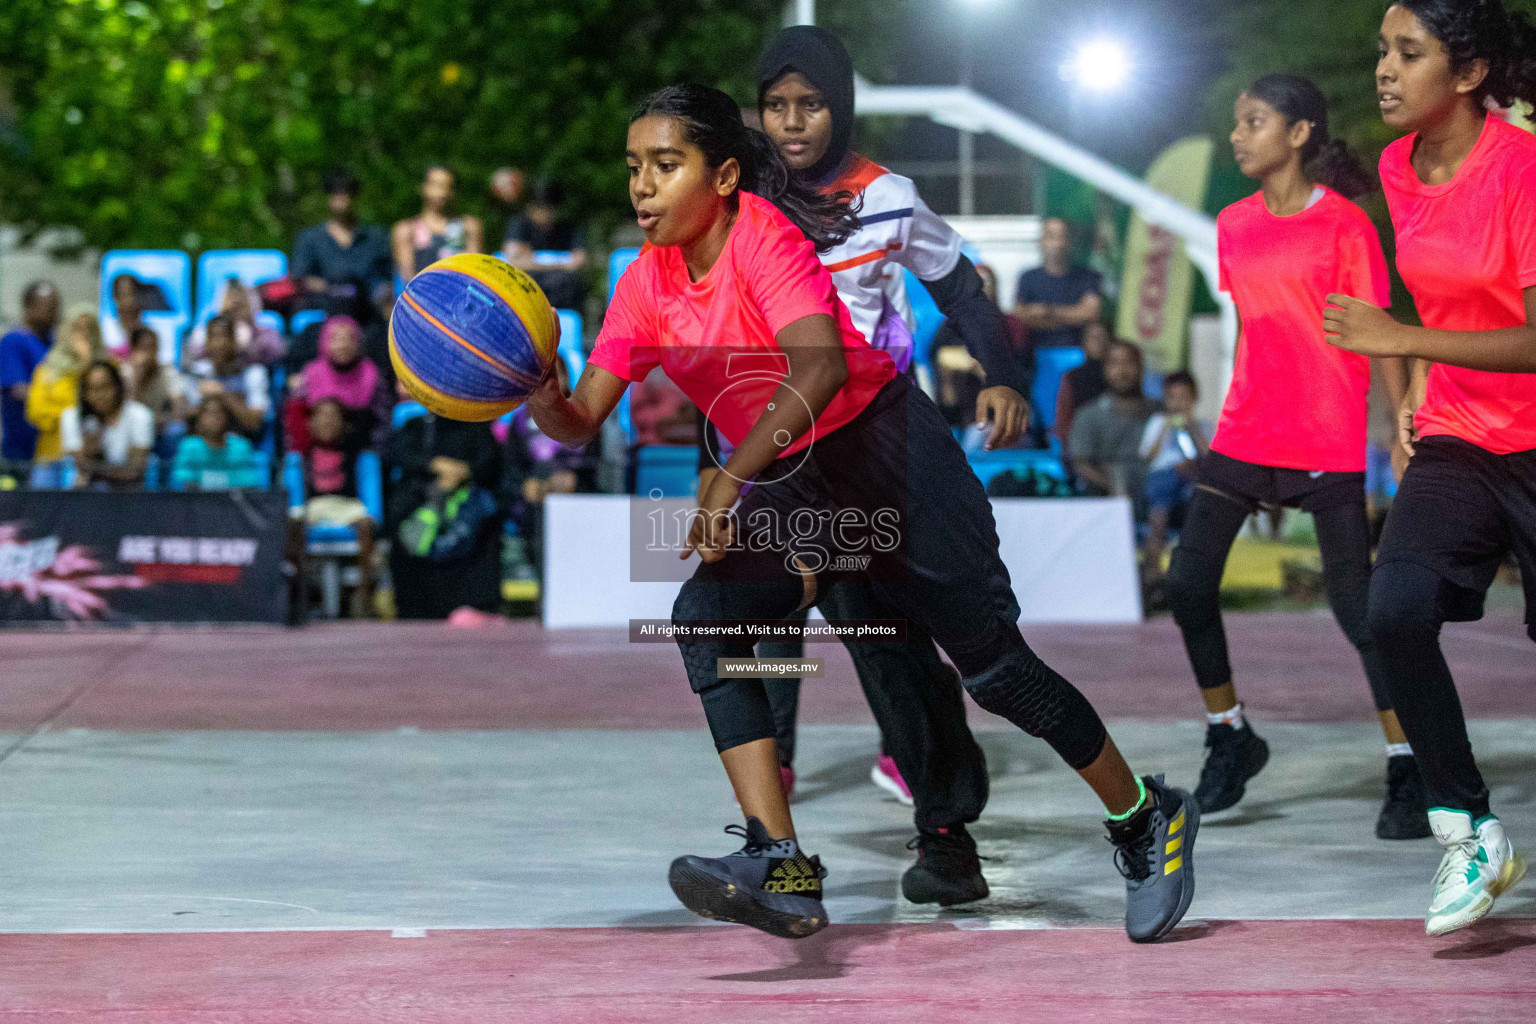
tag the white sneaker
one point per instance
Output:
(1479, 866)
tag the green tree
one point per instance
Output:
(208, 123)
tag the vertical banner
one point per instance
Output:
(1154, 299)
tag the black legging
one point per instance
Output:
(1409, 604)
(1194, 583)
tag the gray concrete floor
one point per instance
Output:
(205, 831)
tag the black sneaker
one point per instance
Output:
(1232, 757)
(768, 884)
(1405, 811)
(947, 871)
(1155, 854)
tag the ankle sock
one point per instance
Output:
(1399, 750)
(1233, 716)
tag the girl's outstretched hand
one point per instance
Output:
(1357, 326)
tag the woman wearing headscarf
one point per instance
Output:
(343, 373)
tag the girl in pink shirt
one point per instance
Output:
(1292, 430)
(731, 301)
(1462, 191)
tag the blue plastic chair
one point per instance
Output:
(927, 320)
(251, 266)
(666, 471)
(171, 270)
(404, 412)
(551, 257)
(987, 465)
(303, 318)
(273, 319)
(331, 543)
(618, 262)
(1051, 364)
(572, 343)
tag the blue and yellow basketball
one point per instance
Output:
(471, 337)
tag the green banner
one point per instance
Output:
(1154, 300)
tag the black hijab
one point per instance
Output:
(821, 57)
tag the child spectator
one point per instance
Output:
(1172, 443)
(108, 435)
(157, 387)
(330, 485)
(223, 372)
(212, 457)
(56, 386)
(341, 373)
(256, 344)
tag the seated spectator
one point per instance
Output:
(330, 486)
(660, 412)
(538, 466)
(212, 457)
(1058, 298)
(432, 235)
(1082, 384)
(157, 387)
(221, 371)
(959, 377)
(56, 387)
(341, 373)
(1106, 435)
(257, 344)
(1172, 445)
(115, 333)
(444, 526)
(541, 230)
(107, 434)
(22, 350)
(343, 264)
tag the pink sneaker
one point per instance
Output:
(885, 775)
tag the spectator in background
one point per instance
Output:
(660, 412)
(541, 229)
(127, 296)
(507, 184)
(221, 371)
(330, 487)
(56, 385)
(107, 434)
(445, 530)
(343, 264)
(257, 344)
(1172, 444)
(538, 466)
(212, 457)
(342, 373)
(960, 377)
(157, 387)
(1082, 384)
(22, 350)
(1106, 435)
(1058, 298)
(432, 235)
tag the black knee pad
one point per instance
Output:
(1030, 694)
(1404, 604)
(1193, 587)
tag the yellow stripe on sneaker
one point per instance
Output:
(1173, 845)
(1173, 865)
(1177, 823)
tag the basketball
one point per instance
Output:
(471, 337)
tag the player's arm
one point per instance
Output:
(578, 418)
(1361, 327)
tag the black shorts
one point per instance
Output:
(1272, 487)
(1460, 511)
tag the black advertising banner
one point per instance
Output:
(152, 556)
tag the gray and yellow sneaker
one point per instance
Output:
(1155, 852)
(1478, 867)
(768, 884)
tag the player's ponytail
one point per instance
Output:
(712, 121)
(1484, 30)
(1325, 159)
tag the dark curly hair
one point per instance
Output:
(1327, 160)
(1484, 30)
(712, 121)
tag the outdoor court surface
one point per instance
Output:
(384, 822)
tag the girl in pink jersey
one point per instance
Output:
(1462, 191)
(728, 286)
(1292, 431)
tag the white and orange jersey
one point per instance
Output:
(896, 229)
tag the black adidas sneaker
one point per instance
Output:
(768, 884)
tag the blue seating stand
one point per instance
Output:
(666, 471)
(171, 271)
(251, 266)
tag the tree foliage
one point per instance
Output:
(208, 123)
